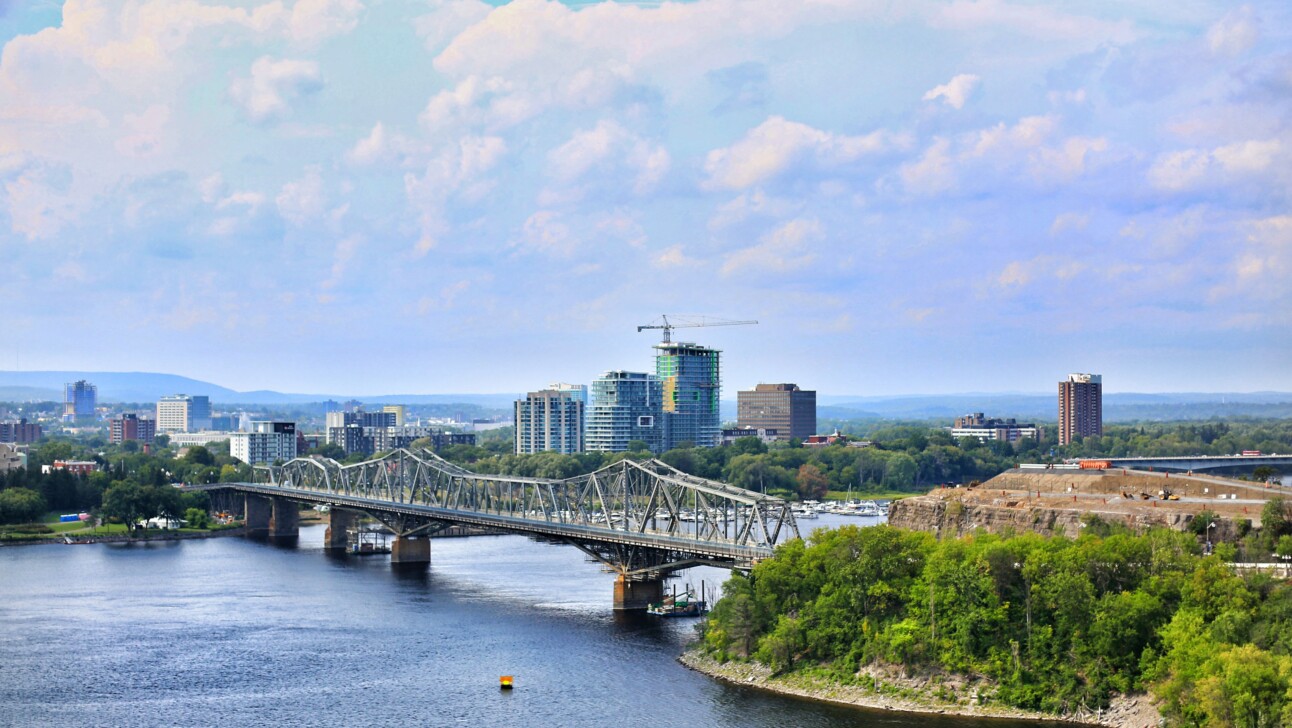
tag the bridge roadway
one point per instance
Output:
(644, 520)
(716, 553)
(1198, 462)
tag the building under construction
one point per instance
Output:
(692, 378)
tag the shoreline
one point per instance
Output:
(1125, 712)
(63, 540)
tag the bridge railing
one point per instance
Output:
(648, 498)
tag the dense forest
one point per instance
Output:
(1056, 624)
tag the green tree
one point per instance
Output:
(20, 505)
(130, 502)
(197, 518)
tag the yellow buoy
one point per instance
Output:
(504, 682)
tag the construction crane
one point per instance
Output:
(687, 322)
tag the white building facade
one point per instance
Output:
(267, 442)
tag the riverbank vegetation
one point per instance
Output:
(128, 485)
(1056, 625)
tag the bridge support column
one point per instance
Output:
(339, 522)
(259, 511)
(286, 519)
(410, 550)
(631, 595)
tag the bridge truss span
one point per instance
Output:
(642, 519)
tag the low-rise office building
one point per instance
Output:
(985, 429)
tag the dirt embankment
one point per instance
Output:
(893, 690)
(1054, 503)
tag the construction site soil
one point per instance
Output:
(1057, 501)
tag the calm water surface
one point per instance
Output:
(235, 632)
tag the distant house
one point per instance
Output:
(824, 440)
(76, 467)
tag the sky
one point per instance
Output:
(370, 196)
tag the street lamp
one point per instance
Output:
(1209, 527)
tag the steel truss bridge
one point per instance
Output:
(641, 519)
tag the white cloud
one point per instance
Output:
(1028, 133)
(785, 248)
(754, 203)
(1066, 221)
(673, 257)
(371, 148)
(932, 173)
(1067, 160)
(545, 232)
(313, 21)
(457, 172)
(303, 201)
(341, 257)
(37, 209)
(1234, 34)
(775, 145)
(605, 144)
(1187, 169)
(954, 92)
(250, 200)
(273, 84)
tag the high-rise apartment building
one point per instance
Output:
(1081, 408)
(626, 406)
(785, 408)
(131, 427)
(267, 442)
(691, 377)
(183, 413)
(20, 431)
(79, 400)
(550, 420)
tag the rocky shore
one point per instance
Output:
(897, 692)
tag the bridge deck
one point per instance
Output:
(702, 548)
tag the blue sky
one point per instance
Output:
(366, 196)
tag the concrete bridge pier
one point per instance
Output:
(259, 511)
(632, 595)
(285, 520)
(410, 550)
(339, 522)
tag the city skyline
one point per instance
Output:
(888, 190)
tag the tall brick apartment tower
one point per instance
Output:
(1081, 407)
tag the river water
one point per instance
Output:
(230, 631)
